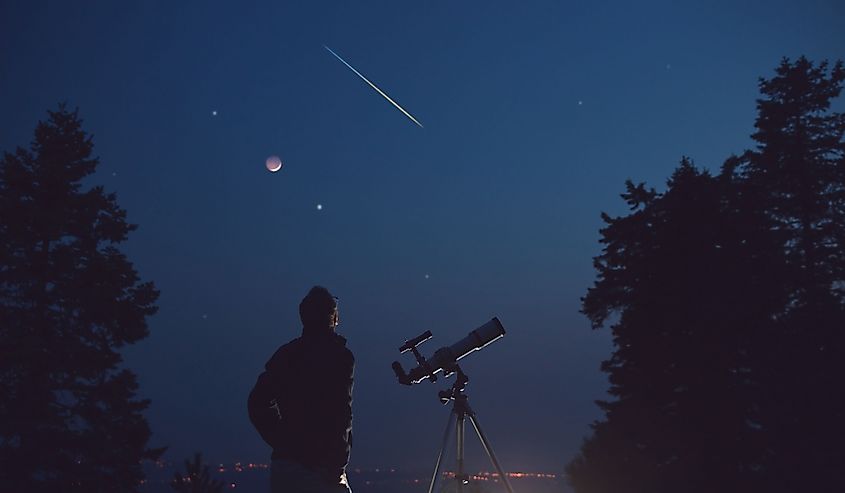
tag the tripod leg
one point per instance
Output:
(440, 455)
(459, 476)
(489, 449)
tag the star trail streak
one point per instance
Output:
(374, 86)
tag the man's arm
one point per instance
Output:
(263, 408)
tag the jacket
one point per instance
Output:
(301, 404)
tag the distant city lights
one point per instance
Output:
(371, 476)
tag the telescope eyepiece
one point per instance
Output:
(403, 377)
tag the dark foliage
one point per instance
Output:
(196, 478)
(796, 177)
(69, 299)
(725, 298)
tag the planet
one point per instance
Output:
(273, 164)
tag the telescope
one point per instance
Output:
(446, 358)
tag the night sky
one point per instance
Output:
(534, 114)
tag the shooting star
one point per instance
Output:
(374, 86)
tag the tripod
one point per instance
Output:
(460, 412)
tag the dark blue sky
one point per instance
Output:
(534, 113)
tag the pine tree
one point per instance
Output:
(69, 300)
(726, 299)
(673, 284)
(196, 478)
(796, 176)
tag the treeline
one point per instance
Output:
(725, 295)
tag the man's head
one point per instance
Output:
(318, 310)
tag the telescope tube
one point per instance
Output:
(447, 356)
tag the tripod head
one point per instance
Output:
(456, 393)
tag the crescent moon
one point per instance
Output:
(273, 164)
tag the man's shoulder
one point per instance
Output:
(284, 352)
(302, 347)
(292, 345)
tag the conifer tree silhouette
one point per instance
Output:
(726, 299)
(69, 299)
(796, 176)
(196, 478)
(671, 284)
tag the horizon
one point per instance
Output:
(367, 480)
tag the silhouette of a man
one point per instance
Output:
(302, 403)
